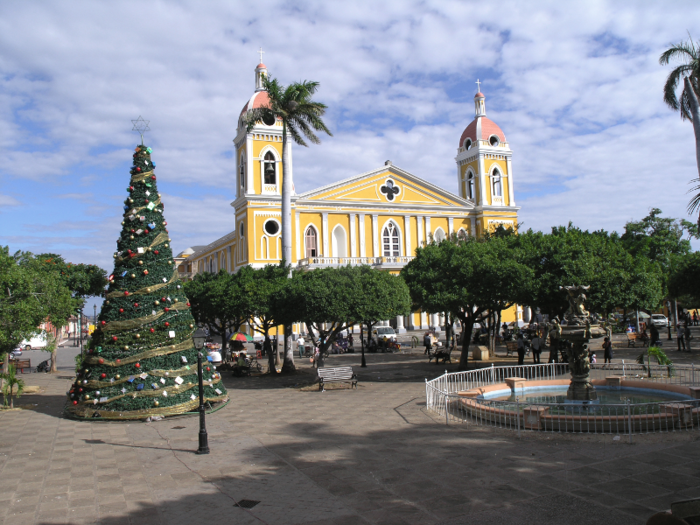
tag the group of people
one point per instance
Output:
(683, 336)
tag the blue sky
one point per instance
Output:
(576, 87)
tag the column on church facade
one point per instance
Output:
(326, 248)
(399, 325)
(297, 228)
(419, 224)
(526, 314)
(407, 234)
(450, 225)
(511, 195)
(472, 226)
(428, 231)
(353, 235)
(363, 249)
(483, 181)
(375, 236)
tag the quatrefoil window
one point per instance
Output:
(390, 190)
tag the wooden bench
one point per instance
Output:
(336, 375)
(441, 353)
(21, 364)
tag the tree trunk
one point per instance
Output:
(362, 342)
(695, 113)
(54, 356)
(288, 365)
(286, 202)
(468, 327)
(267, 346)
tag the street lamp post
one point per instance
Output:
(668, 321)
(199, 337)
(94, 315)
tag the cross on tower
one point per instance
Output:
(478, 85)
(261, 54)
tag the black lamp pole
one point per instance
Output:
(668, 322)
(198, 337)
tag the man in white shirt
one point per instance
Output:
(300, 346)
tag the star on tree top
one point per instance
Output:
(141, 126)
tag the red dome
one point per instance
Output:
(261, 66)
(484, 127)
(258, 100)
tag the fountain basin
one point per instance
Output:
(626, 404)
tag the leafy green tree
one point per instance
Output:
(263, 289)
(688, 53)
(220, 301)
(30, 296)
(467, 279)
(684, 281)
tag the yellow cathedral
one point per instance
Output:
(376, 218)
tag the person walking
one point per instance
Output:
(428, 342)
(535, 346)
(300, 344)
(654, 335)
(521, 349)
(607, 348)
(695, 317)
(679, 338)
(687, 336)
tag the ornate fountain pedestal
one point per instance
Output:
(577, 330)
(580, 389)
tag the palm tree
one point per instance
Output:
(689, 70)
(301, 118)
(13, 386)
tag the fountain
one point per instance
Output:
(576, 329)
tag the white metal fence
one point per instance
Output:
(624, 418)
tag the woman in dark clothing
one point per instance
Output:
(607, 346)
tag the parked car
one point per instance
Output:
(17, 352)
(37, 342)
(659, 320)
(382, 331)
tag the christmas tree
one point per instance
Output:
(141, 360)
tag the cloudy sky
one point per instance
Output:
(575, 86)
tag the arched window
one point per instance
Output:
(241, 173)
(470, 186)
(496, 181)
(390, 238)
(462, 234)
(311, 242)
(270, 168)
(439, 235)
(339, 245)
(467, 144)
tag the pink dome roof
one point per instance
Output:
(261, 66)
(258, 100)
(483, 126)
(479, 94)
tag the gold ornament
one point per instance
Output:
(148, 290)
(115, 255)
(156, 403)
(138, 336)
(140, 263)
(131, 237)
(133, 276)
(177, 300)
(170, 262)
(118, 376)
(131, 200)
(87, 396)
(106, 302)
(123, 223)
(126, 348)
(191, 326)
(157, 303)
(166, 244)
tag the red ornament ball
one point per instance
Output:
(103, 323)
(145, 231)
(155, 251)
(80, 390)
(75, 402)
(208, 369)
(131, 188)
(119, 361)
(165, 223)
(166, 309)
(101, 360)
(188, 304)
(145, 272)
(138, 169)
(136, 305)
(121, 310)
(114, 338)
(146, 201)
(152, 330)
(167, 323)
(132, 231)
(138, 365)
(126, 292)
(102, 376)
(153, 177)
(162, 299)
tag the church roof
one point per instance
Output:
(258, 100)
(484, 127)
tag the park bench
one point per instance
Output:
(633, 339)
(511, 348)
(336, 375)
(21, 364)
(440, 353)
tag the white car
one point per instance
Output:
(659, 320)
(37, 342)
(382, 331)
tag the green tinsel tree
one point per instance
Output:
(141, 360)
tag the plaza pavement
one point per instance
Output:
(371, 455)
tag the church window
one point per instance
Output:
(467, 144)
(311, 243)
(494, 140)
(439, 235)
(496, 180)
(271, 227)
(470, 186)
(462, 234)
(241, 172)
(270, 168)
(390, 239)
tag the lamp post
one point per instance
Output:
(199, 337)
(94, 315)
(668, 321)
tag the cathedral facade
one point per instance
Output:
(377, 218)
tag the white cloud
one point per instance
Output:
(575, 87)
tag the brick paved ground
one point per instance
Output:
(341, 457)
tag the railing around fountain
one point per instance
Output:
(628, 418)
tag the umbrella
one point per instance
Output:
(240, 336)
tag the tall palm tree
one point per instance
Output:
(301, 118)
(689, 70)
